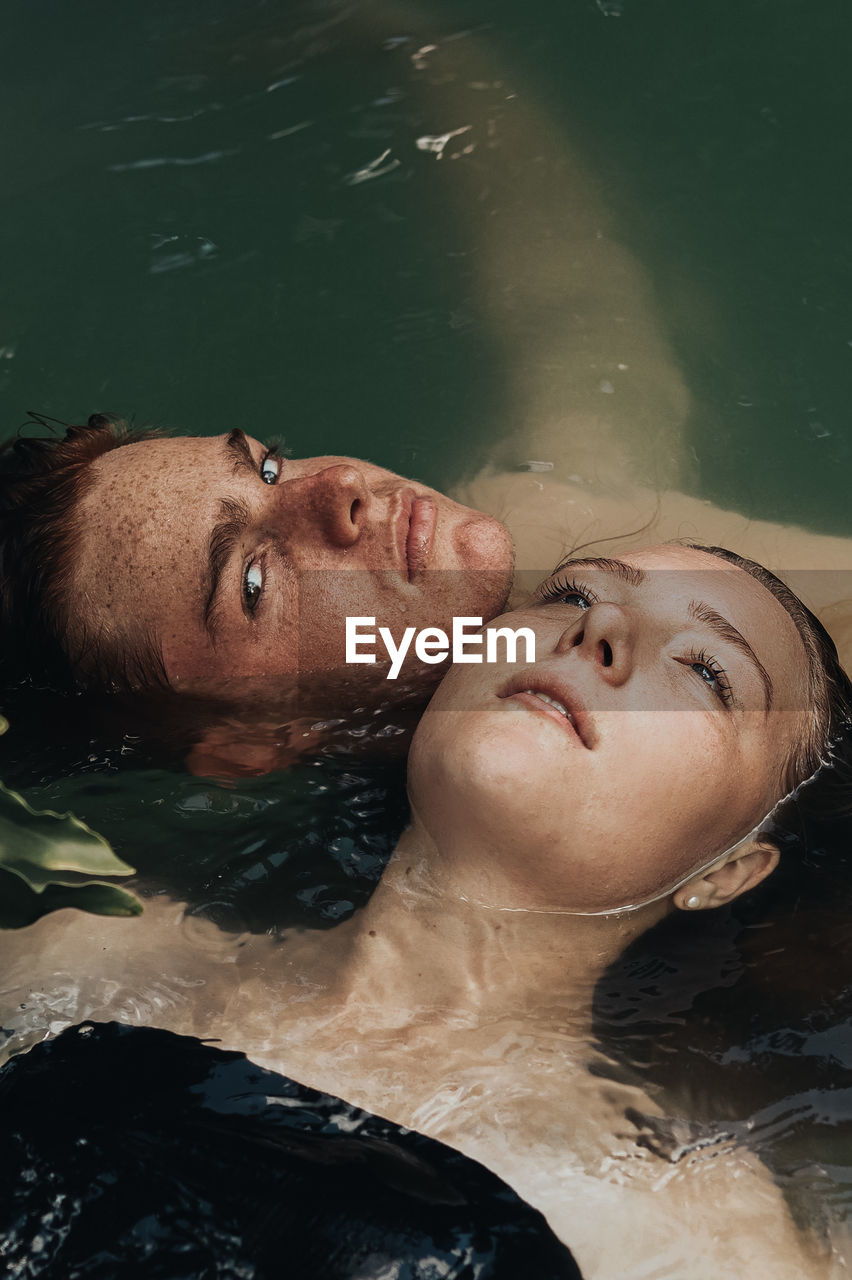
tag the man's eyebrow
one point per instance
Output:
(728, 632)
(239, 451)
(224, 536)
(627, 572)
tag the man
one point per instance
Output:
(211, 564)
(212, 568)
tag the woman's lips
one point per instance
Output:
(421, 535)
(549, 698)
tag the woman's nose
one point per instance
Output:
(603, 636)
(333, 501)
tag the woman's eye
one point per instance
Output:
(559, 590)
(270, 469)
(576, 599)
(714, 677)
(252, 586)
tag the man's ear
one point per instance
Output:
(744, 868)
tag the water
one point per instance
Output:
(218, 215)
(182, 243)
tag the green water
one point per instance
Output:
(165, 256)
(182, 243)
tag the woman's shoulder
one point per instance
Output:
(588, 1153)
(714, 1213)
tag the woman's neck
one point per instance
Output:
(422, 946)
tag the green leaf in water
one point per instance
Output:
(20, 906)
(43, 847)
(50, 860)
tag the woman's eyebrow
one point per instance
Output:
(727, 631)
(224, 536)
(627, 572)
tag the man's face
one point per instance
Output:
(243, 566)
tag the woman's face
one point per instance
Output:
(649, 735)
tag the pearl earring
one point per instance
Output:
(694, 902)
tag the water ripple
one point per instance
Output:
(158, 162)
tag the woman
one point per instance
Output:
(559, 810)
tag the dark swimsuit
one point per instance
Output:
(135, 1152)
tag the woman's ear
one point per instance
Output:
(743, 869)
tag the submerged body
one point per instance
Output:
(514, 1087)
(550, 518)
(458, 1002)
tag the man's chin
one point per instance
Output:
(486, 555)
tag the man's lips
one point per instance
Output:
(550, 695)
(416, 525)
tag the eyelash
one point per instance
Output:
(723, 688)
(251, 607)
(271, 453)
(557, 587)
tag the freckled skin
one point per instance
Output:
(326, 536)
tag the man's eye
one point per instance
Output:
(252, 586)
(270, 469)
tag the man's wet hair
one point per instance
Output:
(43, 479)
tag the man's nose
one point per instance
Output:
(334, 501)
(603, 636)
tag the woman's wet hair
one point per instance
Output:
(43, 480)
(736, 1020)
(754, 996)
(829, 687)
